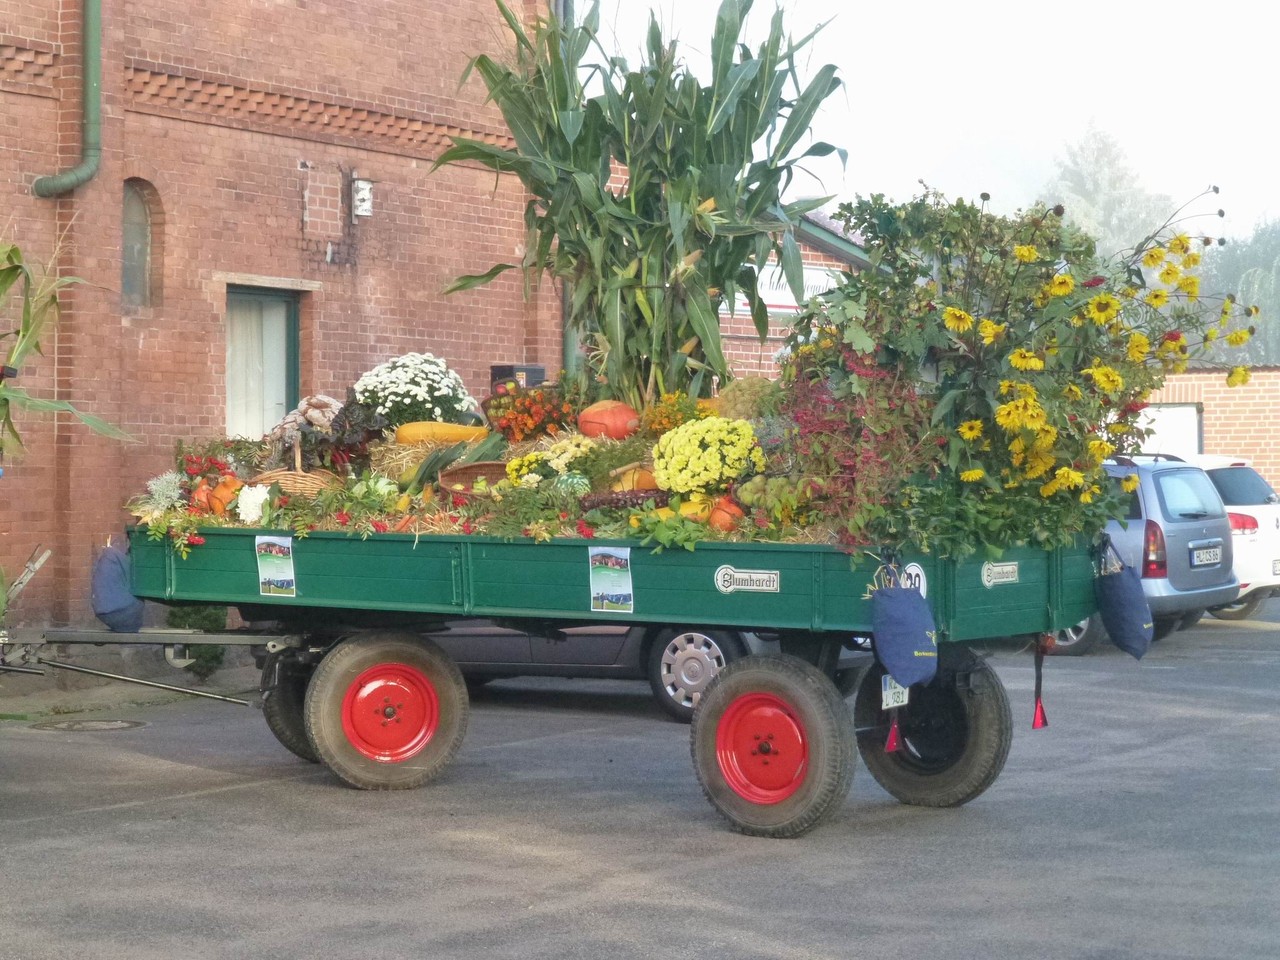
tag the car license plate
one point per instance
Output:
(1202, 558)
(892, 694)
(1275, 568)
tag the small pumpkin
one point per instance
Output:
(635, 478)
(725, 515)
(608, 418)
(200, 496)
(220, 497)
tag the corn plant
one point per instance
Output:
(648, 263)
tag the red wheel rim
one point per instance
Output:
(390, 712)
(761, 748)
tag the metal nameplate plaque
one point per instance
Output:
(728, 580)
(996, 573)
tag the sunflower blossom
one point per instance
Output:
(1170, 273)
(1139, 347)
(1103, 308)
(1026, 253)
(1022, 359)
(1062, 284)
(1181, 245)
(970, 429)
(1129, 483)
(1238, 338)
(1157, 298)
(1105, 379)
(989, 331)
(956, 320)
(1238, 377)
(972, 476)
(1153, 257)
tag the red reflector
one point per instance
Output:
(1155, 562)
(1243, 524)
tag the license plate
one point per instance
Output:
(892, 694)
(1202, 558)
(1275, 568)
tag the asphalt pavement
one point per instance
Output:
(1141, 824)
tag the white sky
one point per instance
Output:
(986, 95)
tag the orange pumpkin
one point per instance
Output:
(220, 497)
(725, 515)
(608, 418)
(636, 478)
(200, 496)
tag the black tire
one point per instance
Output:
(284, 695)
(1163, 626)
(682, 662)
(1189, 620)
(801, 724)
(387, 711)
(955, 733)
(1079, 639)
(1241, 609)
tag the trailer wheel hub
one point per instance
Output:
(390, 712)
(762, 748)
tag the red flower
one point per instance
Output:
(283, 501)
(1173, 336)
(342, 517)
(466, 526)
(195, 540)
(1094, 282)
(379, 526)
(584, 529)
(563, 515)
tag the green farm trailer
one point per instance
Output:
(352, 678)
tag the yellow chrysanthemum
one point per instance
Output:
(1072, 392)
(970, 429)
(1129, 483)
(1190, 260)
(1087, 495)
(1045, 439)
(1026, 253)
(1007, 387)
(1211, 335)
(1139, 347)
(1190, 285)
(955, 319)
(1022, 359)
(1117, 429)
(972, 476)
(989, 331)
(1103, 308)
(1238, 377)
(1049, 489)
(1157, 298)
(1153, 257)
(1181, 244)
(1170, 273)
(1238, 338)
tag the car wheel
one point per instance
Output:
(1240, 610)
(284, 693)
(1164, 626)
(1080, 638)
(683, 662)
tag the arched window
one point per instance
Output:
(138, 266)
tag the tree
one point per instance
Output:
(648, 263)
(1103, 196)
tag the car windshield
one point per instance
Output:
(1188, 495)
(1242, 487)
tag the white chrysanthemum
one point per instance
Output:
(250, 502)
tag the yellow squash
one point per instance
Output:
(421, 430)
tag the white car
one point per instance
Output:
(1254, 510)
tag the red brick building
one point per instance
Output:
(217, 238)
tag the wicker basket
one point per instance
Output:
(295, 481)
(460, 481)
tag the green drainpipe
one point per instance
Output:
(91, 106)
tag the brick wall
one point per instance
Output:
(1237, 421)
(246, 120)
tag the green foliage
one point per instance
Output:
(648, 264)
(1030, 356)
(664, 531)
(37, 293)
(208, 657)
